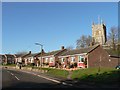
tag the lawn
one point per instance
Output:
(106, 75)
(58, 73)
(85, 72)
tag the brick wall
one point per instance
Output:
(99, 57)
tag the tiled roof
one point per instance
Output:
(79, 51)
(2, 56)
(9, 55)
(53, 52)
(39, 54)
(30, 55)
(19, 55)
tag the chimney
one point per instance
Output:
(43, 51)
(29, 52)
(62, 48)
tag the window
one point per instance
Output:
(9, 58)
(46, 60)
(81, 59)
(51, 59)
(63, 59)
(72, 59)
(32, 60)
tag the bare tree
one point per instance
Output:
(69, 47)
(88, 40)
(83, 41)
(113, 36)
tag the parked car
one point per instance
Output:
(117, 67)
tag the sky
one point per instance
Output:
(52, 24)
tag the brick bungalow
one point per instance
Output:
(94, 56)
(18, 58)
(3, 59)
(101, 57)
(8, 59)
(29, 59)
(37, 57)
(51, 58)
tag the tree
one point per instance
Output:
(69, 47)
(88, 40)
(83, 41)
(113, 37)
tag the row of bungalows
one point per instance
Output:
(93, 56)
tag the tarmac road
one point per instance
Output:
(13, 79)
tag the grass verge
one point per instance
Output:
(106, 75)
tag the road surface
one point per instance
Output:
(13, 79)
(21, 79)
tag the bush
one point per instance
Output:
(71, 66)
(75, 65)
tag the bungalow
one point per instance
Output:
(24, 59)
(94, 56)
(8, 59)
(32, 59)
(100, 57)
(3, 59)
(37, 58)
(19, 58)
(51, 58)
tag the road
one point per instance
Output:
(18, 79)
(22, 79)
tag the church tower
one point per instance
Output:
(99, 33)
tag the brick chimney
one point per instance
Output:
(62, 48)
(29, 52)
(43, 51)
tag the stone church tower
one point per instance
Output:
(99, 33)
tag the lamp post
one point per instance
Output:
(41, 52)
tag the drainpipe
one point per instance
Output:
(87, 61)
(99, 69)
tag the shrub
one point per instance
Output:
(75, 64)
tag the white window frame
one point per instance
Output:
(32, 60)
(80, 58)
(72, 59)
(46, 60)
(62, 59)
(51, 60)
